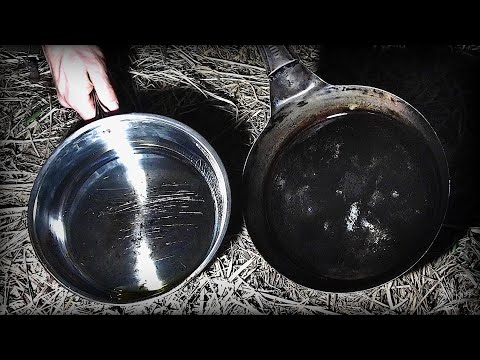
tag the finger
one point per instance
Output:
(62, 100)
(83, 105)
(103, 88)
(77, 88)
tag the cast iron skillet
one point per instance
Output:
(347, 186)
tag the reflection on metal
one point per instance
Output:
(58, 229)
(117, 140)
(352, 217)
(145, 266)
(309, 87)
(336, 115)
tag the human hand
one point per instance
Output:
(77, 70)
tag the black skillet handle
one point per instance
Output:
(288, 77)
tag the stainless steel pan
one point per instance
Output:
(129, 207)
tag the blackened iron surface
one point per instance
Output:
(353, 198)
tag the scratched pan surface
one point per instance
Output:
(129, 207)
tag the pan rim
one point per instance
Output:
(344, 87)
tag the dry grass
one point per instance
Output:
(239, 281)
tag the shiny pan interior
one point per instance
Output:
(129, 207)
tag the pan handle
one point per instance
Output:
(288, 77)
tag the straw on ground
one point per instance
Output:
(240, 281)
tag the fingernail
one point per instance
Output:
(112, 106)
(88, 114)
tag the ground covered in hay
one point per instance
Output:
(178, 81)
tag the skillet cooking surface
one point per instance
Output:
(352, 198)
